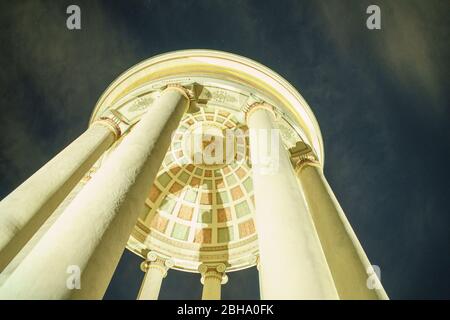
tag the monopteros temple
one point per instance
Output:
(199, 161)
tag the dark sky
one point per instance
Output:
(381, 98)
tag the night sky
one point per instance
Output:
(381, 98)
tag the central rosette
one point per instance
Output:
(207, 144)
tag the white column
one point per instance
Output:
(41, 231)
(351, 270)
(259, 275)
(292, 263)
(155, 268)
(90, 235)
(24, 210)
(213, 276)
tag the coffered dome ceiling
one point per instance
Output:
(198, 211)
(204, 204)
(208, 206)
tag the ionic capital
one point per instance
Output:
(112, 124)
(158, 262)
(259, 105)
(184, 91)
(255, 261)
(114, 121)
(190, 91)
(302, 155)
(216, 271)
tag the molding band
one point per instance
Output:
(111, 125)
(258, 106)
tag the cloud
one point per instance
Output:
(362, 85)
(51, 78)
(407, 47)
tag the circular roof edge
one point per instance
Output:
(222, 65)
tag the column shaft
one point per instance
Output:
(213, 276)
(345, 256)
(40, 232)
(24, 210)
(93, 230)
(292, 263)
(155, 268)
(151, 285)
(212, 287)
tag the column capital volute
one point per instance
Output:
(157, 261)
(191, 91)
(255, 260)
(112, 122)
(251, 107)
(302, 155)
(181, 89)
(213, 271)
(115, 121)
